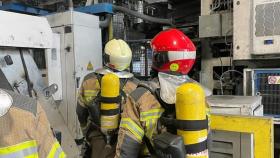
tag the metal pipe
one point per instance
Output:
(71, 5)
(26, 75)
(89, 2)
(142, 16)
(106, 22)
(110, 29)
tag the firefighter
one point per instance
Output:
(173, 57)
(25, 130)
(117, 59)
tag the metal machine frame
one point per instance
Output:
(263, 137)
(21, 8)
(34, 34)
(78, 53)
(251, 81)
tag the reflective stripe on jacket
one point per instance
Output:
(29, 149)
(26, 149)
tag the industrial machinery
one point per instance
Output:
(233, 144)
(237, 34)
(78, 52)
(19, 71)
(266, 83)
(215, 32)
(259, 20)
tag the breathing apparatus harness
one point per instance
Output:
(96, 111)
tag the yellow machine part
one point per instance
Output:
(190, 105)
(110, 87)
(260, 127)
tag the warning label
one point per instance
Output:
(273, 79)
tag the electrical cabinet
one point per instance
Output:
(266, 27)
(265, 83)
(79, 53)
(256, 29)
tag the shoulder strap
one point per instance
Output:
(143, 85)
(169, 108)
(138, 92)
(149, 145)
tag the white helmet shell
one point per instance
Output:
(6, 102)
(118, 54)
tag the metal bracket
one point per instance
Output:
(49, 91)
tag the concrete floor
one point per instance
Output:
(68, 144)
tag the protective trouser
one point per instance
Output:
(98, 146)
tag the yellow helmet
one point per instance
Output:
(117, 54)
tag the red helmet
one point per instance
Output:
(173, 52)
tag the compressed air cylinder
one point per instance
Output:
(110, 88)
(191, 108)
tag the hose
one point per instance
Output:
(106, 22)
(142, 16)
(222, 77)
(71, 5)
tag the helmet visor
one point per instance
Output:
(161, 58)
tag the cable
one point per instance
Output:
(29, 86)
(216, 6)
(231, 57)
(230, 29)
(222, 65)
(222, 77)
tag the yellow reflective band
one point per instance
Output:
(150, 126)
(90, 93)
(151, 114)
(88, 100)
(129, 124)
(62, 155)
(32, 156)
(18, 147)
(56, 151)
